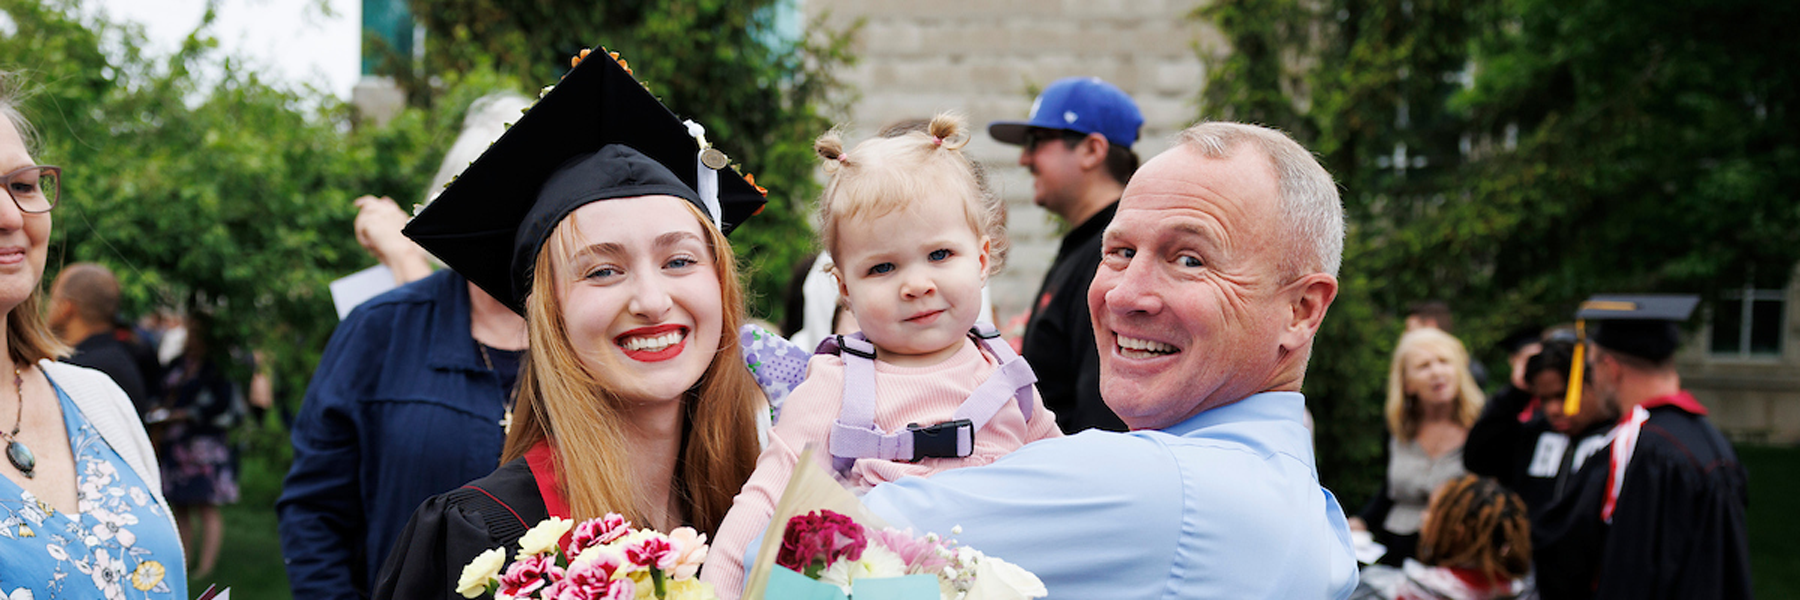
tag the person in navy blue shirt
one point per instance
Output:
(408, 400)
(405, 404)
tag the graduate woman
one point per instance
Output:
(596, 218)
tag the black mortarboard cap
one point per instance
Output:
(1519, 338)
(598, 134)
(1644, 326)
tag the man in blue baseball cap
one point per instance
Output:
(1077, 144)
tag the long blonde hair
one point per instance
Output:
(561, 400)
(1403, 409)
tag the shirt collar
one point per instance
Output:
(1681, 399)
(1269, 421)
(451, 346)
(1266, 406)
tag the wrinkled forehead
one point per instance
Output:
(1230, 200)
(1241, 183)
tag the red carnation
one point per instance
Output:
(820, 538)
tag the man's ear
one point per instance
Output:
(1093, 151)
(59, 309)
(1307, 298)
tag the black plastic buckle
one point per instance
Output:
(843, 347)
(939, 441)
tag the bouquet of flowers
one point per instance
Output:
(831, 548)
(823, 544)
(604, 559)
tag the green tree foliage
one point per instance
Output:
(204, 187)
(1552, 150)
(724, 64)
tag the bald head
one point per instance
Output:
(1309, 207)
(91, 289)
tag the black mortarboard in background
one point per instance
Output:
(1646, 326)
(1519, 338)
(597, 135)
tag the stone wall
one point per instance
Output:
(1754, 398)
(985, 58)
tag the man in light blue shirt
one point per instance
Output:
(1217, 271)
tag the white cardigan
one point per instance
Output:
(111, 413)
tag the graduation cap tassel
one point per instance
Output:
(709, 191)
(1572, 398)
(707, 164)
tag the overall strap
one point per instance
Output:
(854, 434)
(1012, 381)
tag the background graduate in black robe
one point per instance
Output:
(1660, 512)
(633, 397)
(1538, 457)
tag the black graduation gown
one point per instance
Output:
(1529, 458)
(1499, 445)
(452, 528)
(1678, 524)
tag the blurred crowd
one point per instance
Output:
(568, 355)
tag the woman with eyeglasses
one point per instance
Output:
(82, 513)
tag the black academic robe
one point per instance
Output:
(1528, 457)
(1678, 524)
(1497, 440)
(452, 528)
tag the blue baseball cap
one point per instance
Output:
(1080, 104)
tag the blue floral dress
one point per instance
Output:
(121, 546)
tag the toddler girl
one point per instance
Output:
(913, 234)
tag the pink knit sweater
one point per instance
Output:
(903, 395)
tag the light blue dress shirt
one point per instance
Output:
(1224, 505)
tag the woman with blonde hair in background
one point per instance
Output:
(1432, 401)
(82, 513)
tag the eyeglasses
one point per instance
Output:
(34, 189)
(1033, 137)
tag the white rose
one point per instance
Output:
(476, 574)
(545, 536)
(997, 579)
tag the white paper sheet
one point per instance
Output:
(360, 286)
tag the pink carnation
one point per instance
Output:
(530, 574)
(821, 536)
(919, 554)
(595, 532)
(653, 552)
(593, 581)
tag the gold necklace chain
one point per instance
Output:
(505, 395)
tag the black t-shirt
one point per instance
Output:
(104, 353)
(1059, 337)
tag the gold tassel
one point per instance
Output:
(1572, 399)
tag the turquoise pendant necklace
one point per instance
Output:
(16, 453)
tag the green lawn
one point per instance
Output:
(251, 560)
(1774, 530)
